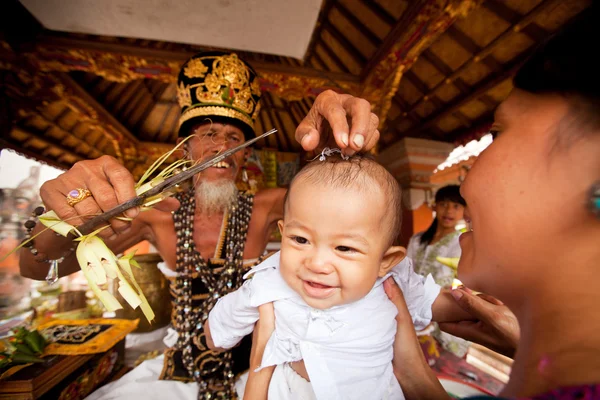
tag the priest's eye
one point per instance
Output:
(299, 239)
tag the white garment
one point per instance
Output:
(424, 257)
(287, 384)
(347, 350)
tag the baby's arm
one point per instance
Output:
(231, 319)
(446, 309)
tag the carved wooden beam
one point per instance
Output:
(398, 29)
(421, 24)
(121, 62)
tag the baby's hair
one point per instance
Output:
(360, 172)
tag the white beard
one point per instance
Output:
(215, 197)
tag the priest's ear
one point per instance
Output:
(391, 257)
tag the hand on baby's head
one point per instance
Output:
(341, 218)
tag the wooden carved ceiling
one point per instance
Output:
(431, 68)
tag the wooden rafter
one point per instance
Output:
(102, 112)
(379, 11)
(365, 30)
(398, 28)
(4, 143)
(331, 54)
(90, 149)
(492, 81)
(265, 128)
(345, 43)
(277, 122)
(316, 57)
(32, 136)
(421, 87)
(316, 36)
(501, 10)
(469, 44)
(480, 54)
(151, 106)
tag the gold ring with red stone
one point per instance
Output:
(77, 195)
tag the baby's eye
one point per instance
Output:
(299, 239)
(345, 249)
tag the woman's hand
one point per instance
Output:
(327, 124)
(494, 325)
(257, 387)
(415, 376)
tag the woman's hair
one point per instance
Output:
(447, 193)
(358, 172)
(568, 66)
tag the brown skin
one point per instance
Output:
(448, 213)
(111, 184)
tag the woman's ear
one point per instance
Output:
(391, 257)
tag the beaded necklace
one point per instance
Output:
(190, 320)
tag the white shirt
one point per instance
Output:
(347, 349)
(425, 257)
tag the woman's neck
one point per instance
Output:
(560, 340)
(440, 232)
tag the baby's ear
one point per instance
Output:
(391, 257)
(280, 225)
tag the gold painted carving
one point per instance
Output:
(195, 69)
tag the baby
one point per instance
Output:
(341, 219)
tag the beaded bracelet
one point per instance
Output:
(30, 224)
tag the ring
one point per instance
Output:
(77, 195)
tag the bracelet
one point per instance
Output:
(30, 224)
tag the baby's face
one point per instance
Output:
(333, 242)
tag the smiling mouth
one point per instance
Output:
(317, 290)
(222, 165)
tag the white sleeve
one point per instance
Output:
(233, 317)
(453, 249)
(419, 292)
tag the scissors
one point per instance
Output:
(165, 185)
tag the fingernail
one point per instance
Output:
(113, 237)
(359, 140)
(304, 140)
(344, 138)
(132, 212)
(457, 294)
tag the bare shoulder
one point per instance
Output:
(270, 201)
(269, 196)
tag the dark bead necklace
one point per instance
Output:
(189, 319)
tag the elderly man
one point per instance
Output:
(211, 234)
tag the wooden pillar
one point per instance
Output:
(412, 162)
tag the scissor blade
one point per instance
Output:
(165, 185)
(176, 179)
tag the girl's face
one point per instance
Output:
(448, 213)
(526, 198)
